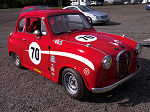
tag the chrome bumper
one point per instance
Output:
(108, 88)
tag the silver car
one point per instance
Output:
(92, 15)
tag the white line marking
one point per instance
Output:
(70, 55)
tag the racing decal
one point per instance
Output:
(59, 42)
(116, 42)
(86, 71)
(73, 56)
(59, 53)
(52, 68)
(35, 53)
(37, 70)
(52, 74)
(86, 38)
(52, 59)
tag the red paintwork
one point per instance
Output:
(95, 53)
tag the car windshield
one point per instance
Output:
(68, 23)
(86, 8)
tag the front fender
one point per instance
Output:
(86, 60)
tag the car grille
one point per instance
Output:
(123, 63)
(104, 17)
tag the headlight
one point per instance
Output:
(97, 17)
(107, 62)
(138, 49)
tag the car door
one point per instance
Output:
(19, 37)
(33, 56)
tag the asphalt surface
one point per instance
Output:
(22, 90)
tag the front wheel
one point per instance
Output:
(90, 20)
(73, 83)
(16, 60)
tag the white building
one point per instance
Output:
(146, 1)
(80, 2)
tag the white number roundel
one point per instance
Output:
(86, 38)
(35, 53)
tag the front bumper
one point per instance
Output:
(108, 88)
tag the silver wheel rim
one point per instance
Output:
(89, 19)
(71, 83)
(17, 60)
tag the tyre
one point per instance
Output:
(73, 83)
(16, 60)
(90, 20)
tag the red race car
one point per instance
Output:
(61, 45)
(34, 8)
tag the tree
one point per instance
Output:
(59, 3)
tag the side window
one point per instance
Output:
(68, 8)
(74, 8)
(21, 26)
(28, 9)
(43, 28)
(36, 24)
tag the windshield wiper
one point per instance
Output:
(76, 29)
(62, 32)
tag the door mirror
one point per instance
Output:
(37, 33)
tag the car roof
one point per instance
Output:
(49, 12)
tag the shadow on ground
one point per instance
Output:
(131, 93)
(111, 23)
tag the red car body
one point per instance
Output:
(57, 52)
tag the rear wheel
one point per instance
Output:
(73, 83)
(16, 60)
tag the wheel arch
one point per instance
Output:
(74, 68)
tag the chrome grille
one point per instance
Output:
(123, 63)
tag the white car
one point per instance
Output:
(92, 15)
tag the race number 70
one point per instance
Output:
(35, 53)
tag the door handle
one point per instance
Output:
(24, 39)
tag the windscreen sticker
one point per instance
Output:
(35, 53)
(86, 38)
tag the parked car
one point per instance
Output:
(61, 45)
(33, 8)
(148, 7)
(92, 15)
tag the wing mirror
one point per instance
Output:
(37, 33)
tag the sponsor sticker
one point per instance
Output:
(52, 74)
(52, 59)
(52, 68)
(37, 70)
(35, 53)
(59, 42)
(86, 38)
(86, 71)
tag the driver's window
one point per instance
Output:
(36, 24)
(43, 28)
(21, 26)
